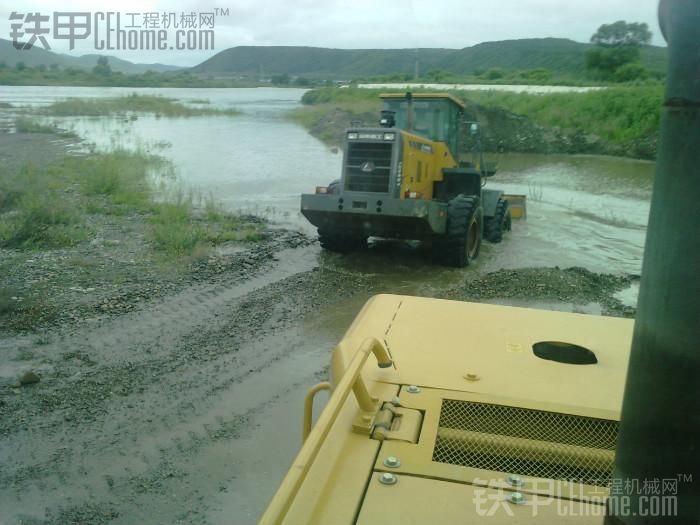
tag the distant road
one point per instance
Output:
(485, 87)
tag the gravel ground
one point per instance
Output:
(130, 408)
(575, 286)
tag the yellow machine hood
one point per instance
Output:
(467, 424)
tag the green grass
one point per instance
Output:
(120, 176)
(42, 220)
(39, 210)
(225, 227)
(48, 207)
(319, 102)
(175, 232)
(617, 115)
(179, 228)
(320, 107)
(68, 76)
(330, 95)
(134, 103)
(28, 125)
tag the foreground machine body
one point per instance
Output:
(404, 180)
(453, 426)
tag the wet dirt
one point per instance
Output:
(187, 408)
(134, 417)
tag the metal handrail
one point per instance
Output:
(309, 407)
(288, 489)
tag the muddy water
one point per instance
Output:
(582, 211)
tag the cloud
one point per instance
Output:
(367, 23)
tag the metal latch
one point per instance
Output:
(391, 422)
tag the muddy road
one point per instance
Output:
(169, 413)
(187, 409)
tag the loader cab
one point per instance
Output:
(433, 116)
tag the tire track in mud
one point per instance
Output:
(136, 421)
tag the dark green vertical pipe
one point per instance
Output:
(660, 429)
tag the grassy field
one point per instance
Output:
(52, 206)
(322, 105)
(29, 125)
(617, 115)
(135, 103)
(41, 76)
(319, 101)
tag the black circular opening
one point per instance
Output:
(379, 210)
(340, 207)
(567, 353)
(379, 203)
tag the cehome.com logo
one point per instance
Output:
(110, 30)
(628, 497)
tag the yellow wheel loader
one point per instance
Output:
(404, 180)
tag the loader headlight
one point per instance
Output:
(352, 136)
(389, 136)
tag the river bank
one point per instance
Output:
(616, 121)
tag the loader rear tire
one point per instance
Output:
(499, 223)
(462, 242)
(340, 243)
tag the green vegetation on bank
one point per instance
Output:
(162, 106)
(617, 115)
(363, 104)
(28, 125)
(21, 75)
(54, 206)
(490, 76)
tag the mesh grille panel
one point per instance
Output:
(375, 154)
(526, 442)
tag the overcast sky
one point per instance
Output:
(359, 23)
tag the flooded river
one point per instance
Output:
(582, 211)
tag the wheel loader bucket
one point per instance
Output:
(517, 204)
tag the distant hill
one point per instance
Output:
(556, 54)
(38, 56)
(317, 60)
(559, 55)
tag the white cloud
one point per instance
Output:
(365, 23)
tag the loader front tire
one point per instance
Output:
(499, 223)
(462, 242)
(340, 243)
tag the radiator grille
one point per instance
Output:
(368, 166)
(526, 442)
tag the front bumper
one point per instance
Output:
(374, 215)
